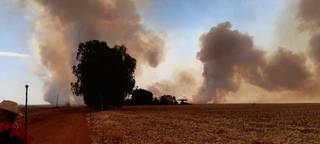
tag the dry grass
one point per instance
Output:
(238, 123)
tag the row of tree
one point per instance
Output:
(145, 97)
(105, 78)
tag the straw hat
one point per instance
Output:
(10, 106)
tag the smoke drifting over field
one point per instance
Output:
(309, 18)
(62, 25)
(230, 58)
(225, 54)
(308, 14)
(181, 86)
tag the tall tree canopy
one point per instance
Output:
(104, 75)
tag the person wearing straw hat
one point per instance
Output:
(10, 131)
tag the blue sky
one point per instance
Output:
(188, 19)
(15, 32)
(179, 22)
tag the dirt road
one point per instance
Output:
(58, 126)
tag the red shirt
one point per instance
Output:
(15, 131)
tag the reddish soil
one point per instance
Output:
(58, 126)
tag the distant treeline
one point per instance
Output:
(145, 97)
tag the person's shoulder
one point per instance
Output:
(17, 131)
(5, 126)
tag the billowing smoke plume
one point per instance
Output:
(62, 25)
(309, 18)
(230, 57)
(314, 50)
(308, 14)
(225, 53)
(284, 70)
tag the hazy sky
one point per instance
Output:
(179, 22)
(16, 29)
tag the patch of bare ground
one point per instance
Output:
(48, 125)
(221, 123)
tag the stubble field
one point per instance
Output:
(219, 123)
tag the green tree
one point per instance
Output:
(104, 75)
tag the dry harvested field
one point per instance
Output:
(221, 123)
